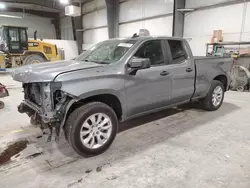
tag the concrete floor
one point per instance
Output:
(174, 148)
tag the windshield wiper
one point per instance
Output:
(98, 62)
(102, 62)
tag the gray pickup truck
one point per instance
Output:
(117, 80)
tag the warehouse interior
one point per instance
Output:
(180, 145)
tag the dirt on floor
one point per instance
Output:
(11, 150)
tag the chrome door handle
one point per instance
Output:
(189, 70)
(164, 73)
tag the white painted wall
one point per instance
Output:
(138, 9)
(66, 28)
(43, 25)
(95, 19)
(199, 25)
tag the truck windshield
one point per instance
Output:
(107, 52)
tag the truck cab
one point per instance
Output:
(13, 39)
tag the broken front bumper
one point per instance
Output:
(22, 108)
(34, 110)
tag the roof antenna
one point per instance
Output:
(144, 32)
(135, 35)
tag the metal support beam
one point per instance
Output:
(178, 18)
(221, 4)
(34, 12)
(56, 22)
(113, 17)
(46, 5)
(78, 35)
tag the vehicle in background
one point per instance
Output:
(17, 50)
(3, 93)
(117, 80)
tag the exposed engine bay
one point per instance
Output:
(45, 104)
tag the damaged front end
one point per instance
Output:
(46, 105)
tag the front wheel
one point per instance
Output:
(215, 96)
(91, 129)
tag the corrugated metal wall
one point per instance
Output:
(94, 22)
(66, 28)
(233, 19)
(156, 16)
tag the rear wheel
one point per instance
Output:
(215, 96)
(32, 59)
(91, 129)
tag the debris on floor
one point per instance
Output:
(88, 171)
(74, 183)
(113, 177)
(99, 169)
(34, 155)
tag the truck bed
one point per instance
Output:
(208, 68)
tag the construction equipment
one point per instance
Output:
(17, 50)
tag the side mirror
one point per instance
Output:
(139, 63)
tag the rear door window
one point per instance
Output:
(178, 51)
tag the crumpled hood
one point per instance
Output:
(46, 72)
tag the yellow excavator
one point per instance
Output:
(17, 50)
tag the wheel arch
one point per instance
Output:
(109, 99)
(223, 79)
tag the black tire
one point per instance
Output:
(207, 103)
(78, 117)
(33, 59)
(2, 104)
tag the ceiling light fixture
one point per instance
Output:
(10, 16)
(2, 6)
(64, 2)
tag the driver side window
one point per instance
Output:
(152, 50)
